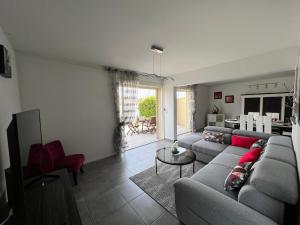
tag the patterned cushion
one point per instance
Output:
(261, 143)
(237, 176)
(213, 136)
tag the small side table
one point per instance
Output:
(165, 155)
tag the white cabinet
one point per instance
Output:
(217, 120)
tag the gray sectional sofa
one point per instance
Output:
(262, 200)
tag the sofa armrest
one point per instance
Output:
(212, 207)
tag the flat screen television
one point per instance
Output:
(23, 131)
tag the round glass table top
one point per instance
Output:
(184, 156)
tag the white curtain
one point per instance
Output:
(125, 91)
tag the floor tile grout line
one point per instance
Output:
(155, 202)
(126, 204)
(135, 197)
(159, 217)
(89, 212)
(110, 213)
(137, 213)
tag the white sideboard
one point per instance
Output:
(216, 120)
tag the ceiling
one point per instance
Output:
(195, 33)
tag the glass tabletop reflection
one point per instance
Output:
(185, 156)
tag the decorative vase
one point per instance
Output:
(175, 147)
(215, 109)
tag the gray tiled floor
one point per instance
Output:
(105, 194)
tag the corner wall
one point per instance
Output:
(9, 104)
(202, 106)
(76, 104)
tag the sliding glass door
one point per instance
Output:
(184, 114)
(146, 127)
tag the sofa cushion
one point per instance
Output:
(237, 177)
(281, 140)
(276, 179)
(186, 140)
(209, 148)
(242, 141)
(213, 136)
(251, 134)
(203, 157)
(219, 129)
(226, 159)
(266, 205)
(226, 131)
(236, 150)
(251, 156)
(213, 175)
(280, 153)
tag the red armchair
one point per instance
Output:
(59, 160)
(38, 162)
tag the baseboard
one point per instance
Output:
(167, 139)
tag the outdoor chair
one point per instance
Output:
(133, 128)
(151, 124)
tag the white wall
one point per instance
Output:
(76, 104)
(296, 143)
(232, 110)
(9, 104)
(169, 110)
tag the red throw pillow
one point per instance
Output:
(251, 156)
(241, 141)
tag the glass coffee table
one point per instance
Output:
(184, 157)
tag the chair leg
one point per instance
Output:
(75, 177)
(81, 169)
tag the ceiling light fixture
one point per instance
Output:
(157, 49)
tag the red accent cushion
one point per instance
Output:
(241, 141)
(251, 156)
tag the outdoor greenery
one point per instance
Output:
(147, 106)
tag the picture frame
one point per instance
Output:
(229, 99)
(218, 95)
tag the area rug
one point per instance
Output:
(160, 186)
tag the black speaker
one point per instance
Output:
(5, 67)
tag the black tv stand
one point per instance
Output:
(50, 204)
(42, 180)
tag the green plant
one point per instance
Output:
(147, 106)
